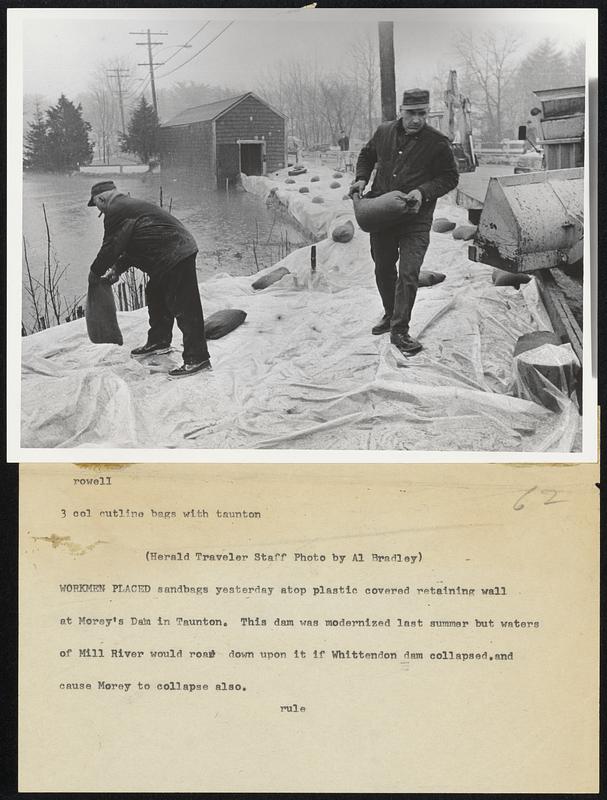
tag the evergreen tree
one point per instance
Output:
(544, 67)
(68, 143)
(576, 64)
(141, 137)
(35, 155)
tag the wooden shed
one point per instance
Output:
(562, 126)
(217, 141)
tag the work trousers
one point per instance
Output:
(406, 244)
(175, 297)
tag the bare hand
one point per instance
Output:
(414, 200)
(111, 276)
(357, 187)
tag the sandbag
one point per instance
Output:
(465, 232)
(343, 231)
(270, 278)
(338, 175)
(314, 178)
(303, 189)
(529, 341)
(502, 277)
(289, 180)
(547, 375)
(101, 321)
(442, 225)
(429, 278)
(334, 185)
(376, 213)
(222, 322)
(318, 199)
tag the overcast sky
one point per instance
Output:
(63, 47)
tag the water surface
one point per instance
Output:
(235, 232)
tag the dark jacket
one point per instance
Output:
(405, 162)
(141, 234)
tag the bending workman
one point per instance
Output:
(141, 234)
(416, 159)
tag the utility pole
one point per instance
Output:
(150, 63)
(119, 73)
(386, 70)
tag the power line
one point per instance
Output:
(140, 92)
(166, 74)
(119, 73)
(151, 62)
(187, 44)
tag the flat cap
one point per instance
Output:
(416, 98)
(99, 188)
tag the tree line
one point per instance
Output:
(57, 140)
(494, 72)
(500, 83)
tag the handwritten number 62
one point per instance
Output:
(550, 494)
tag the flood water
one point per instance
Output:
(235, 232)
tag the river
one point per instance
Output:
(235, 232)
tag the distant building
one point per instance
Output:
(217, 141)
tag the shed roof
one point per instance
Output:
(211, 111)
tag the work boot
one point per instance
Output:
(405, 343)
(189, 369)
(151, 350)
(383, 326)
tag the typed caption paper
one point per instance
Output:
(385, 628)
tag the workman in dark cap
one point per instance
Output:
(416, 159)
(141, 234)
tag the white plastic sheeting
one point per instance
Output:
(304, 371)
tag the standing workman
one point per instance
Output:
(416, 159)
(344, 147)
(141, 234)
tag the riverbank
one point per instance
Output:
(304, 371)
(235, 233)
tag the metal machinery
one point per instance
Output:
(457, 125)
(534, 222)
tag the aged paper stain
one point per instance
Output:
(66, 541)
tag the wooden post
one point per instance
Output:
(313, 258)
(386, 70)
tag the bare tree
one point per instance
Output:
(576, 61)
(47, 304)
(319, 103)
(186, 94)
(340, 103)
(101, 105)
(490, 68)
(364, 69)
(295, 88)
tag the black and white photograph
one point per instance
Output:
(301, 234)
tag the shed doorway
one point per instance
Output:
(252, 157)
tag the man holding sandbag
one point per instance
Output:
(415, 160)
(141, 234)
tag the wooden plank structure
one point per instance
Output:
(562, 126)
(564, 323)
(217, 141)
